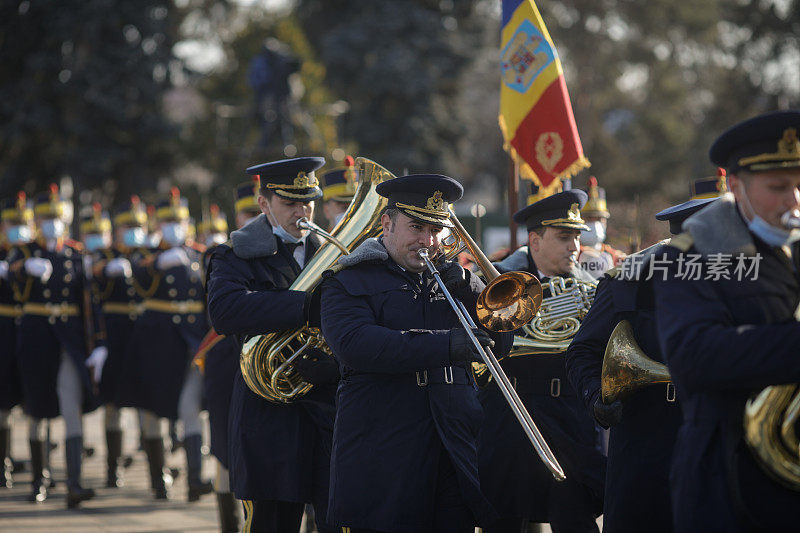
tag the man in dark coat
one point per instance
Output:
(519, 485)
(645, 424)
(56, 331)
(407, 421)
(160, 379)
(114, 288)
(279, 453)
(17, 228)
(728, 330)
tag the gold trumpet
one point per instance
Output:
(266, 360)
(770, 430)
(626, 368)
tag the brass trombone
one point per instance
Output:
(507, 302)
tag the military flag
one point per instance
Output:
(535, 111)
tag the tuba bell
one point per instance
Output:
(266, 360)
(626, 368)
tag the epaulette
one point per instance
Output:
(612, 272)
(75, 245)
(682, 242)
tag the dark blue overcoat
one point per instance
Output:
(276, 452)
(10, 311)
(166, 335)
(514, 477)
(640, 446)
(221, 365)
(387, 328)
(724, 341)
(44, 335)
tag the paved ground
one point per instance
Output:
(127, 509)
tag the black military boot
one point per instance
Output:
(228, 512)
(75, 492)
(113, 454)
(160, 480)
(194, 466)
(40, 469)
(6, 466)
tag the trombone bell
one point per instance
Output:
(509, 301)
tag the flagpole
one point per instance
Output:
(513, 201)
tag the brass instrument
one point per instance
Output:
(266, 360)
(626, 368)
(770, 422)
(507, 287)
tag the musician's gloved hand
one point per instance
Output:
(118, 267)
(317, 367)
(462, 348)
(607, 415)
(96, 361)
(172, 258)
(38, 267)
(3, 269)
(454, 277)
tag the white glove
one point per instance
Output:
(38, 267)
(96, 361)
(172, 258)
(3, 269)
(119, 267)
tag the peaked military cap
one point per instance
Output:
(245, 199)
(215, 223)
(702, 192)
(131, 213)
(339, 184)
(49, 203)
(596, 204)
(292, 179)
(561, 210)
(95, 221)
(17, 210)
(765, 142)
(174, 208)
(424, 197)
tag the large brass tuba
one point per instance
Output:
(770, 429)
(266, 360)
(626, 368)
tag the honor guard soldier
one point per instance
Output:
(405, 452)
(220, 356)
(214, 229)
(595, 255)
(16, 215)
(644, 424)
(729, 330)
(55, 335)
(520, 487)
(115, 289)
(338, 188)
(165, 337)
(279, 453)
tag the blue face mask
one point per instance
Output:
(134, 237)
(19, 234)
(173, 234)
(52, 228)
(94, 242)
(768, 233)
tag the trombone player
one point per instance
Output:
(405, 443)
(279, 454)
(517, 484)
(641, 441)
(726, 339)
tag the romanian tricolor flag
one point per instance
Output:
(535, 111)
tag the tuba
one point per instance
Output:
(626, 368)
(266, 360)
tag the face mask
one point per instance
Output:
(134, 237)
(768, 233)
(18, 234)
(52, 228)
(338, 217)
(281, 233)
(595, 235)
(173, 234)
(94, 242)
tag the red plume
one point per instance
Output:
(349, 161)
(592, 181)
